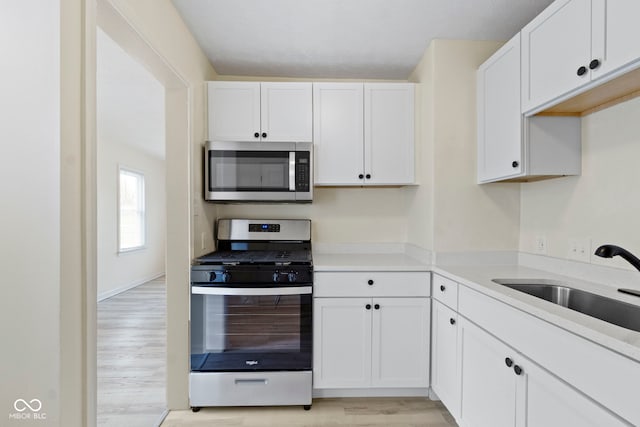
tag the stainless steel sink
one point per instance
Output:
(610, 310)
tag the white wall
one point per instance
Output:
(603, 204)
(121, 271)
(30, 189)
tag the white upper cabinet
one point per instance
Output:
(572, 43)
(364, 133)
(286, 112)
(388, 133)
(511, 147)
(556, 51)
(615, 34)
(233, 111)
(499, 118)
(338, 132)
(251, 111)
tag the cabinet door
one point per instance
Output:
(286, 112)
(554, 46)
(445, 379)
(489, 387)
(615, 34)
(341, 342)
(389, 133)
(551, 402)
(338, 133)
(233, 111)
(400, 342)
(499, 117)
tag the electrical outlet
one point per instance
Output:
(203, 239)
(580, 249)
(541, 244)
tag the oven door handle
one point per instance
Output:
(208, 290)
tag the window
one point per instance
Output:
(131, 218)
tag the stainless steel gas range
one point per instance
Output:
(251, 323)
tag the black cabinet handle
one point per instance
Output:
(517, 369)
(582, 71)
(368, 176)
(377, 306)
(515, 164)
(360, 176)
(452, 321)
(368, 306)
(442, 288)
(257, 135)
(508, 362)
(370, 282)
(594, 64)
(264, 134)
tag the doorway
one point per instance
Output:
(131, 235)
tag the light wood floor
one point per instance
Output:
(132, 357)
(388, 412)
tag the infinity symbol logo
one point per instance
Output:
(21, 405)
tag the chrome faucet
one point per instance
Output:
(609, 251)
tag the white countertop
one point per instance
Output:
(618, 339)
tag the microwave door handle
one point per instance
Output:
(292, 171)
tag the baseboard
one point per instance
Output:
(371, 392)
(113, 292)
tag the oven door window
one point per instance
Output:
(249, 170)
(250, 333)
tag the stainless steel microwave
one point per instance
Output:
(258, 171)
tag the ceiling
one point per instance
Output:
(129, 102)
(363, 39)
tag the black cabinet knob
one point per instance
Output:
(508, 362)
(368, 176)
(370, 282)
(368, 306)
(452, 321)
(264, 134)
(257, 135)
(594, 64)
(442, 288)
(515, 164)
(517, 369)
(377, 306)
(582, 71)
(360, 176)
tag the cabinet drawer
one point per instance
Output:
(371, 284)
(446, 291)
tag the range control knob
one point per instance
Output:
(212, 276)
(276, 276)
(292, 276)
(226, 277)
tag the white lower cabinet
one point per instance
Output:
(445, 375)
(371, 342)
(501, 387)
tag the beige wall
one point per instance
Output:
(450, 212)
(603, 204)
(30, 186)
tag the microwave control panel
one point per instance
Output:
(303, 168)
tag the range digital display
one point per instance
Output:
(264, 228)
